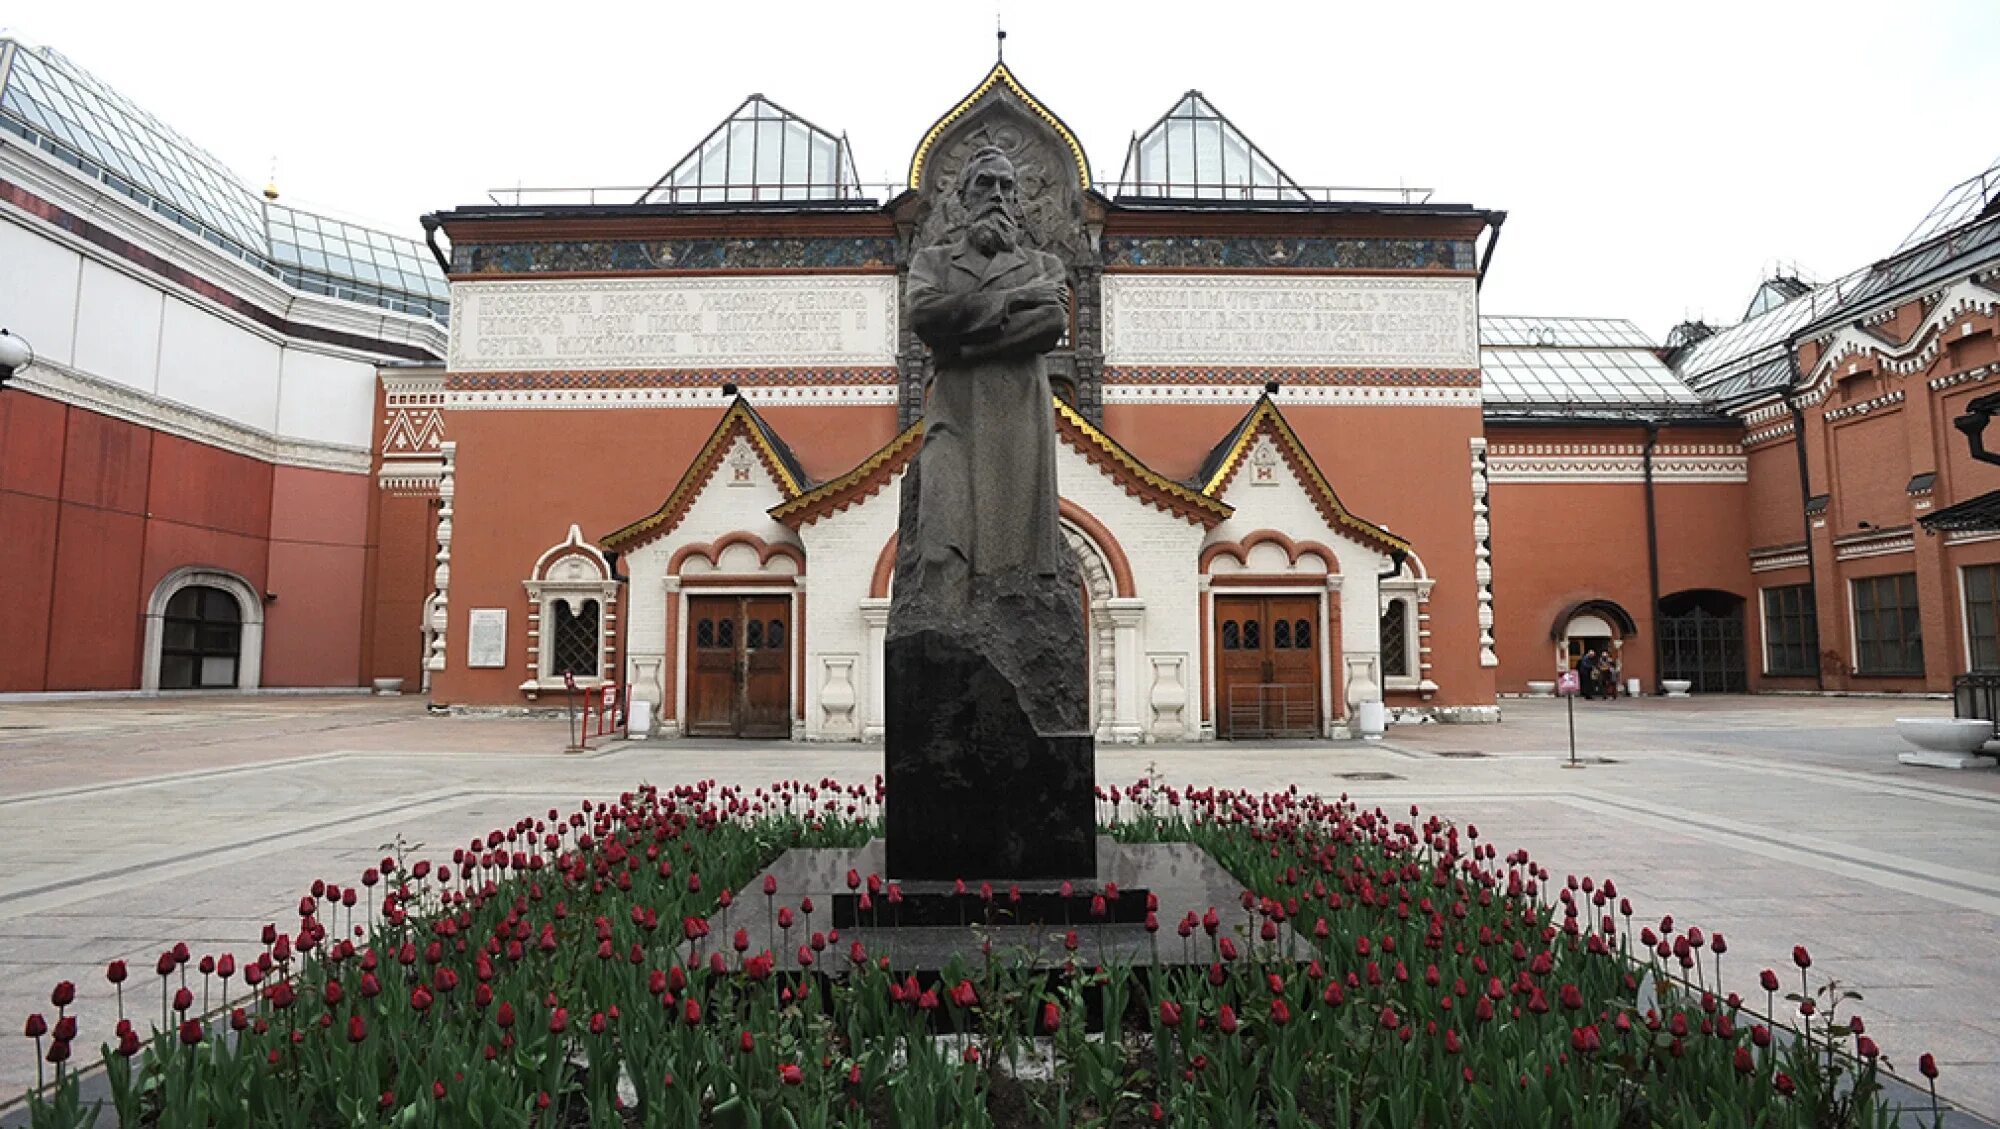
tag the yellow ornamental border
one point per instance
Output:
(999, 74)
(889, 453)
(1198, 499)
(703, 464)
(1267, 411)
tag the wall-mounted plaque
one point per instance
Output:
(486, 638)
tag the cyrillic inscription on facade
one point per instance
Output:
(1321, 322)
(673, 323)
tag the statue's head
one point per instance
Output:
(992, 207)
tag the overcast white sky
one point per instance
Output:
(1656, 159)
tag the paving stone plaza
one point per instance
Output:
(1776, 821)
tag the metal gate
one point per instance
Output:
(1706, 649)
(1273, 709)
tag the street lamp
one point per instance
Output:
(15, 354)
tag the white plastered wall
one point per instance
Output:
(1284, 505)
(1153, 633)
(720, 508)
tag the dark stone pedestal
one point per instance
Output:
(974, 791)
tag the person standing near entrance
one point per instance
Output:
(1608, 669)
(1586, 674)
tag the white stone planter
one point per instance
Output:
(1945, 742)
(1541, 689)
(1676, 687)
(388, 687)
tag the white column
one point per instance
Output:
(1126, 614)
(875, 613)
(676, 646)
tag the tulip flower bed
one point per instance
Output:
(608, 967)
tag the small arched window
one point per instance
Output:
(575, 644)
(1396, 639)
(1232, 636)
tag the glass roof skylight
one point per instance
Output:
(761, 152)
(1615, 377)
(327, 256)
(1504, 330)
(1961, 204)
(63, 111)
(1194, 153)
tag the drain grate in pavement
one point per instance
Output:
(1369, 776)
(1460, 753)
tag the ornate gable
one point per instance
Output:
(1099, 449)
(1049, 165)
(1264, 436)
(740, 423)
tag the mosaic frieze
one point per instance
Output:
(1300, 253)
(674, 254)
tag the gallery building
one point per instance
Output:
(661, 440)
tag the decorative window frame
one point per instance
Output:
(1413, 589)
(249, 603)
(572, 570)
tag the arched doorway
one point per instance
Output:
(204, 631)
(1599, 629)
(201, 643)
(1701, 640)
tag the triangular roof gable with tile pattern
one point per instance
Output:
(1264, 418)
(740, 421)
(1099, 449)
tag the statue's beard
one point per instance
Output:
(994, 231)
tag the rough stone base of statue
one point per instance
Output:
(974, 790)
(989, 762)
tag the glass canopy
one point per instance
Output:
(761, 152)
(63, 111)
(1194, 153)
(1961, 204)
(1598, 362)
(322, 255)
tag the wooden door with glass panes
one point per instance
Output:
(1267, 666)
(739, 666)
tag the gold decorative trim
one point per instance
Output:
(1266, 415)
(1189, 500)
(797, 511)
(738, 419)
(998, 75)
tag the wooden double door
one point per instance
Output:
(1267, 666)
(739, 666)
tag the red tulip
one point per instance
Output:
(115, 972)
(558, 1020)
(1745, 1062)
(770, 885)
(1170, 1013)
(191, 1032)
(1800, 957)
(1866, 1048)
(59, 1051)
(420, 998)
(1281, 1014)
(691, 1014)
(1783, 1084)
(1927, 1066)
(36, 1026)
(1768, 979)
(357, 1030)
(1225, 1020)
(791, 1075)
(963, 994)
(1051, 1017)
